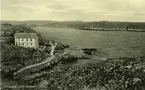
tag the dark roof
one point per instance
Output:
(28, 35)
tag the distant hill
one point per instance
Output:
(94, 25)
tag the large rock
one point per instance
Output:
(89, 51)
(73, 52)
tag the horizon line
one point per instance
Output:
(72, 20)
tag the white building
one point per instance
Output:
(26, 40)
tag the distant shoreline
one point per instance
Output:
(139, 30)
(89, 29)
(88, 25)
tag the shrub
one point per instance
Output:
(125, 74)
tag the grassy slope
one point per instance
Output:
(122, 73)
(15, 57)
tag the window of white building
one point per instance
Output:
(18, 39)
(17, 44)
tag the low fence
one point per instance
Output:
(23, 88)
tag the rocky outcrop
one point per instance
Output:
(90, 51)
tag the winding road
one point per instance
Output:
(41, 63)
(35, 65)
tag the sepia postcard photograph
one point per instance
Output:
(72, 45)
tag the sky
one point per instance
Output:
(70, 10)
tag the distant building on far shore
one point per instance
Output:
(28, 40)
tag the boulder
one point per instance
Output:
(89, 51)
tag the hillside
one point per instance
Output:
(14, 57)
(115, 74)
(8, 30)
(67, 70)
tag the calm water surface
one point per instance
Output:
(113, 44)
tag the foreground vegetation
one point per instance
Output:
(115, 74)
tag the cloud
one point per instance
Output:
(124, 10)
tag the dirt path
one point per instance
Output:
(35, 65)
(41, 63)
